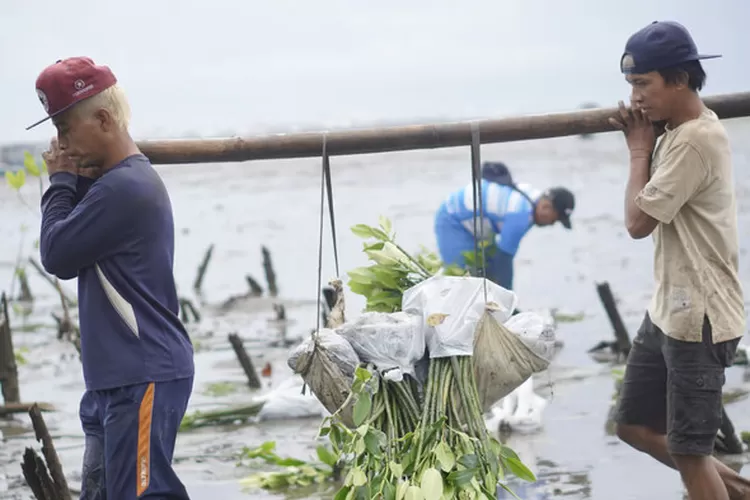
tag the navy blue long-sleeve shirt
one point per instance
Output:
(116, 234)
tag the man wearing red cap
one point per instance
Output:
(112, 228)
(680, 190)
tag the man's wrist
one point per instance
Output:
(640, 152)
(64, 177)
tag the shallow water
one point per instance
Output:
(243, 206)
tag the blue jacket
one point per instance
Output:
(116, 235)
(508, 216)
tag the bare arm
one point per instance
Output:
(638, 222)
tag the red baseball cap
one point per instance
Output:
(68, 82)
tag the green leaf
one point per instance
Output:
(336, 439)
(359, 446)
(362, 374)
(461, 477)
(378, 245)
(30, 165)
(385, 224)
(445, 456)
(396, 469)
(507, 488)
(383, 258)
(506, 452)
(268, 446)
(363, 231)
(15, 180)
(519, 469)
(389, 491)
(432, 483)
(358, 477)
(449, 492)
(387, 277)
(363, 275)
(342, 493)
(414, 493)
(401, 489)
(326, 456)
(360, 288)
(375, 440)
(362, 408)
(470, 461)
(288, 462)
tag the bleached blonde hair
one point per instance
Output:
(113, 100)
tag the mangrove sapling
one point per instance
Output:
(393, 270)
(294, 472)
(450, 451)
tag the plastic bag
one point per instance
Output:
(393, 342)
(503, 360)
(451, 307)
(327, 366)
(287, 401)
(535, 331)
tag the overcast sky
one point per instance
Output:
(221, 67)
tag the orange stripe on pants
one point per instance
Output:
(143, 465)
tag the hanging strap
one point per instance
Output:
(326, 188)
(476, 181)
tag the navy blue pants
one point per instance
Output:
(130, 438)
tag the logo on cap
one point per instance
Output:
(627, 63)
(79, 84)
(43, 100)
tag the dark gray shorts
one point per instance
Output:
(674, 387)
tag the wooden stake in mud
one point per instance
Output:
(198, 284)
(273, 291)
(8, 367)
(46, 486)
(24, 294)
(446, 135)
(66, 328)
(239, 349)
(187, 309)
(255, 289)
(621, 333)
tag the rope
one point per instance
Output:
(326, 188)
(476, 181)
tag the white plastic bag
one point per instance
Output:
(286, 401)
(393, 342)
(451, 307)
(536, 333)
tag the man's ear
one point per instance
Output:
(105, 119)
(681, 80)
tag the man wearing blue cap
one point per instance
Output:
(680, 191)
(509, 212)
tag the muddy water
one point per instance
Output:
(240, 207)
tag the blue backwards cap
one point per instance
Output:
(659, 45)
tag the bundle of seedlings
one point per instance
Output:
(411, 423)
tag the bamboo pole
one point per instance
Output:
(403, 138)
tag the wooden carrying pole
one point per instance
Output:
(403, 138)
